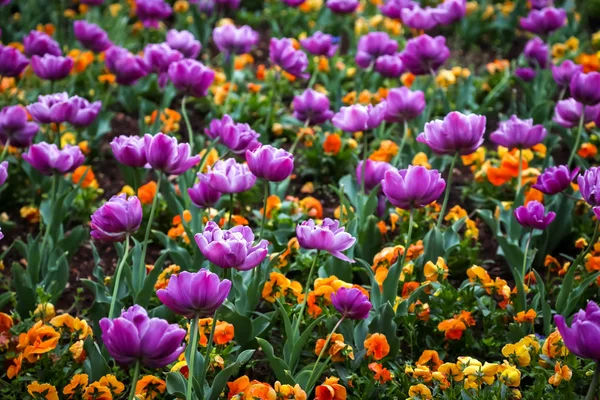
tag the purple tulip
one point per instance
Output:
(55, 108)
(357, 117)
(351, 303)
(129, 150)
(373, 45)
(48, 159)
(159, 57)
(40, 43)
(232, 40)
(53, 68)
(555, 179)
(12, 62)
(3, 172)
(233, 248)
(419, 18)
(202, 195)
(568, 112)
(91, 36)
(164, 153)
(389, 66)
(86, 111)
(457, 133)
(191, 77)
(563, 73)
(1, 235)
(269, 163)
(403, 105)
(293, 3)
(450, 11)
(534, 216)
(117, 218)
(128, 68)
(414, 187)
(228, 176)
(582, 337)
(195, 294)
(328, 237)
(135, 337)
(539, 4)
(544, 21)
(518, 133)
(283, 54)
(589, 186)
(237, 137)
(15, 128)
(536, 52)
(526, 74)
(342, 6)
(320, 44)
(584, 88)
(312, 107)
(374, 172)
(423, 55)
(151, 12)
(393, 8)
(184, 42)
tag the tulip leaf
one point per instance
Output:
(25, 290)
(222, 377)
(280, 367)
(301, 342)
(143, 296)
(433, 244)
(95, 364)
(244, 331)
(176, 384)
(384, 323)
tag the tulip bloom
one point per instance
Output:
(86, 112)
(55, 108)
(194, 294)
(128, 68)
(312, 107)
(544, 21)
(374, 172)
(202, 195)
(389, 66)
(15, 128)
(159, 57)
(3, 172)
(236, 136)
(582, 337)
(457, 133)
(419, 18)
(328, 237)
(351, 303)
(232, 40)
(518, 133)
(283, 54)
(533, 215)
(373, 45)
(151, 12)
(423, 55)
(584, 88)
(233, 248)
(184, 42)
(269, 163)
(359, 118)
(526, 74)
(563, 73)
(39, 43)
(117, 218)
(342, 6)
(403, 105)
(567, 113)
(134, 337)
(320, 44)
(129, 150)
(191, 77)
(164, 153)
(555, 179)
(536, 52)
(52, 68)
(12, 62)
(450, 11)
(48, 159)
(91, 36)
(228, 176)
(393, 8)
(589, 186)
(414, 187)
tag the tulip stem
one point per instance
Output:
(53, 190)
(207, 153)
(520, 177)
(209, 347)
(5, 148)
(310, 378)
(524, 269)
(447, 195)
(578, 137)
(230, 210)
(193, 344)
(187, 124)
(113, 300)
(408, 236)
(149, 227)
(594, 385)
(402, 143)
(264, 214)
(136, 375)
(306, 290)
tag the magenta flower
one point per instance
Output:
(165, 154)
(328, 237)
(457, 133)
(39, 43)
(15, 127)
(414, 187)
(232, 40)
(525, 73)
(419, 18)
(423, 55)
(320, 44)
(151, 12)
(589, 186)
(389, 66)
(373, 45)
(202, 195)
(159, 57)
(312, 107)
(236, 136)
(135, 337)
(534, 216)
(233, 248)
(450, 11)
(563, 73)
(128, 68)
(518, 133)
(48, 159)
(52, 68)
(12, 62)
(91, 36)
(568, 112)
(55, 108)
(3, 172)
(359, 118)
(191, 77)
(351, 303)
(374, 172)
(555, 179)
(116, 218)
(269, 163)
(283, 54)
(402, 104)
(293, 3)
(393, 8)
(544, 21)
(536, 52)
(228, 176)
(342, 6)
(584, 88)
(200, 293)
(129, 150)
(184, 42)
(582, 337)
(86, 112)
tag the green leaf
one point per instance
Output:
(280, 368)
(95, 364)
(223, 377)
(384, 323)
(176, 384)
(25, 290)
(143, 296)
(433, 244)
(299, 344)
(244, 330)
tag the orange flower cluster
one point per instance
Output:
(453, 328)
(278, 287)
(245, 389)
(479, 276)
(169, 119)
(337, 349)
(163, 279)
(178, 230)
